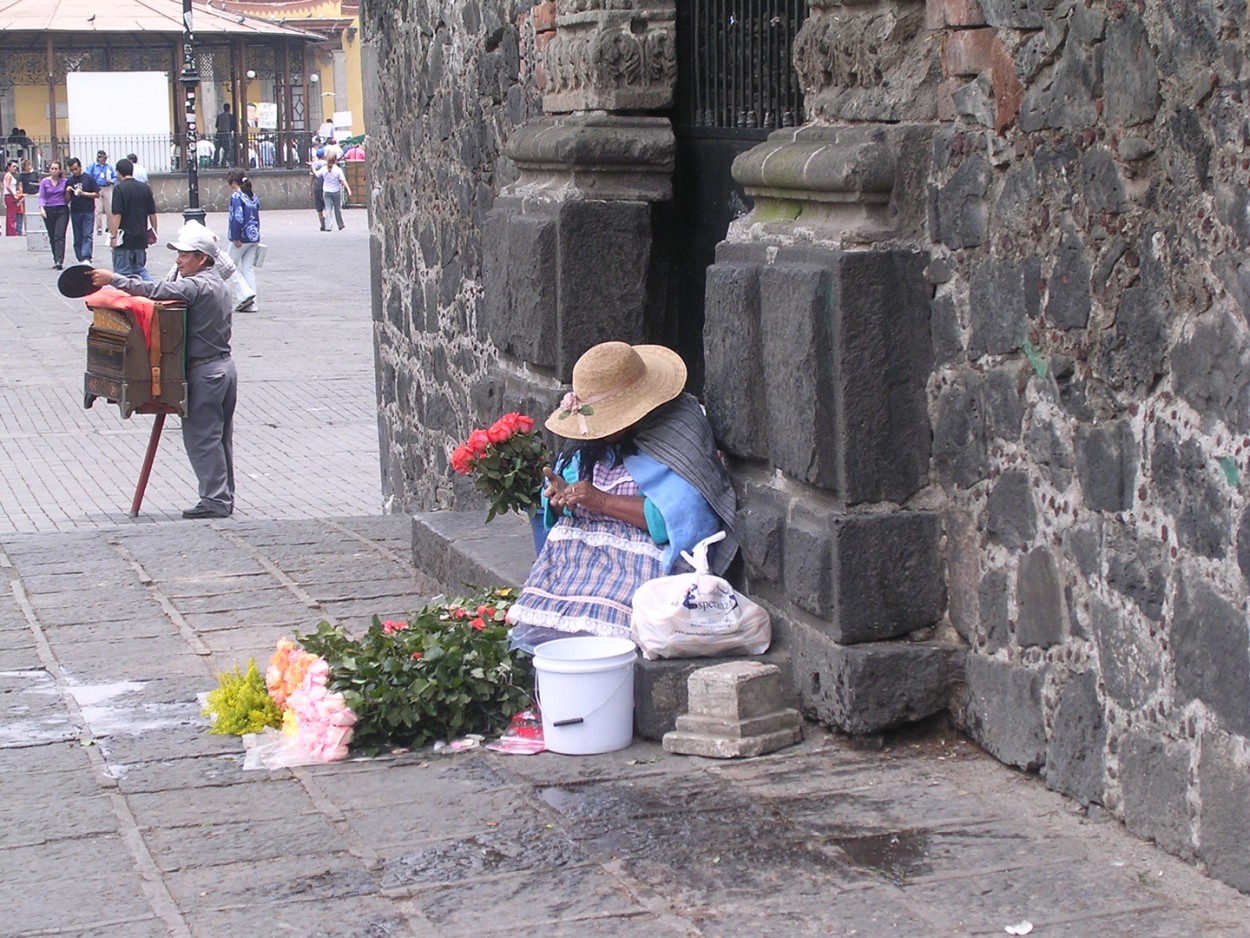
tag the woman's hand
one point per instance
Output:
(564, 495)
(237, 244)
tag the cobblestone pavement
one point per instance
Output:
(121, 816)
(306, 434)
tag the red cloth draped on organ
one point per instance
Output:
(143, 309)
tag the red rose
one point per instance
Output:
(417, 656)
(477, 442)
(478, 624)
(498, 432)
(391, 626)
(460, 457)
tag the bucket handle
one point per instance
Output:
(571, 721)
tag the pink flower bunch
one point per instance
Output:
(323, 721)
(287, 669)
(391, 626)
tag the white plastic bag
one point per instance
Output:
(695, 615)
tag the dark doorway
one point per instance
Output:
(735, 85)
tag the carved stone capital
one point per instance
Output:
(867, 60)
(611, 55)
(594, 156)
(842, 185)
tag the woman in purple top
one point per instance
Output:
(54, 211)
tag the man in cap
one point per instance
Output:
(105, 176)
(212, 382)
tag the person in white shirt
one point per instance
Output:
(140, 172)
(334, 187)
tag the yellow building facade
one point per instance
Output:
(335, 62)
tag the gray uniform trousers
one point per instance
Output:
(208, 428)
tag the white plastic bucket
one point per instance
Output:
(586, 693)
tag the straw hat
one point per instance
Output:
(614, 386)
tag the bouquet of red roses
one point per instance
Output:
(506, 461)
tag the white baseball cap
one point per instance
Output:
(195, 237)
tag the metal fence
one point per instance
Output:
(163, 153)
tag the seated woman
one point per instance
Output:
(638, 482)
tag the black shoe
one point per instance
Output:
(58, 266)
(199, 511)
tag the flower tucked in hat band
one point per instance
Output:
(571, 404)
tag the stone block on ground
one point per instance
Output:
(871, 687)
(737, 709)
(661, 689)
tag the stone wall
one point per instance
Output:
(990, 433)
(1089, 226)
(454, 78)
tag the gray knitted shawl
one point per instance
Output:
(678, 435)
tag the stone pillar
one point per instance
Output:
(818, 354)
(569, 248)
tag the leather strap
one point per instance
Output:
(154, 353)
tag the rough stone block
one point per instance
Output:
(1132, 86)
(796, 312)
(736, 690)
(1074, 760)
(870, 688)
(730, 747)
(886, 576)
(604, 260)
(1003, 711)
(999, 297)
(776, 722)
(1154, 780)
(807, 564)
(661, 688)
(733, 359)
(1210, 640)
(1043, 617)
(519, 268)
(761, 530)
(1225, 786)
(1106, 465)
(1012, 512)
(884, 356)
(1131, 660)
(967, 51)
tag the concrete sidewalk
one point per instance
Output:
(121, 816)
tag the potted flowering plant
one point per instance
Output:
(506, 461)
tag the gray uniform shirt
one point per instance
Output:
(209, 307)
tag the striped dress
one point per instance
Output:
(585, 577)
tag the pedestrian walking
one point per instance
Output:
(83, 195)
(244, 237)
(13, 198)
(334, 186)
(28, 179)
(317, 165)
(140, 172)
(132, 224)
(54, 209)
(212, 381)
(105, 177)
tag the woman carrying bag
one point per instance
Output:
(244, 237)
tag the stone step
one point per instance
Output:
(460, 551)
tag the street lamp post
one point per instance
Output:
(190, 81)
